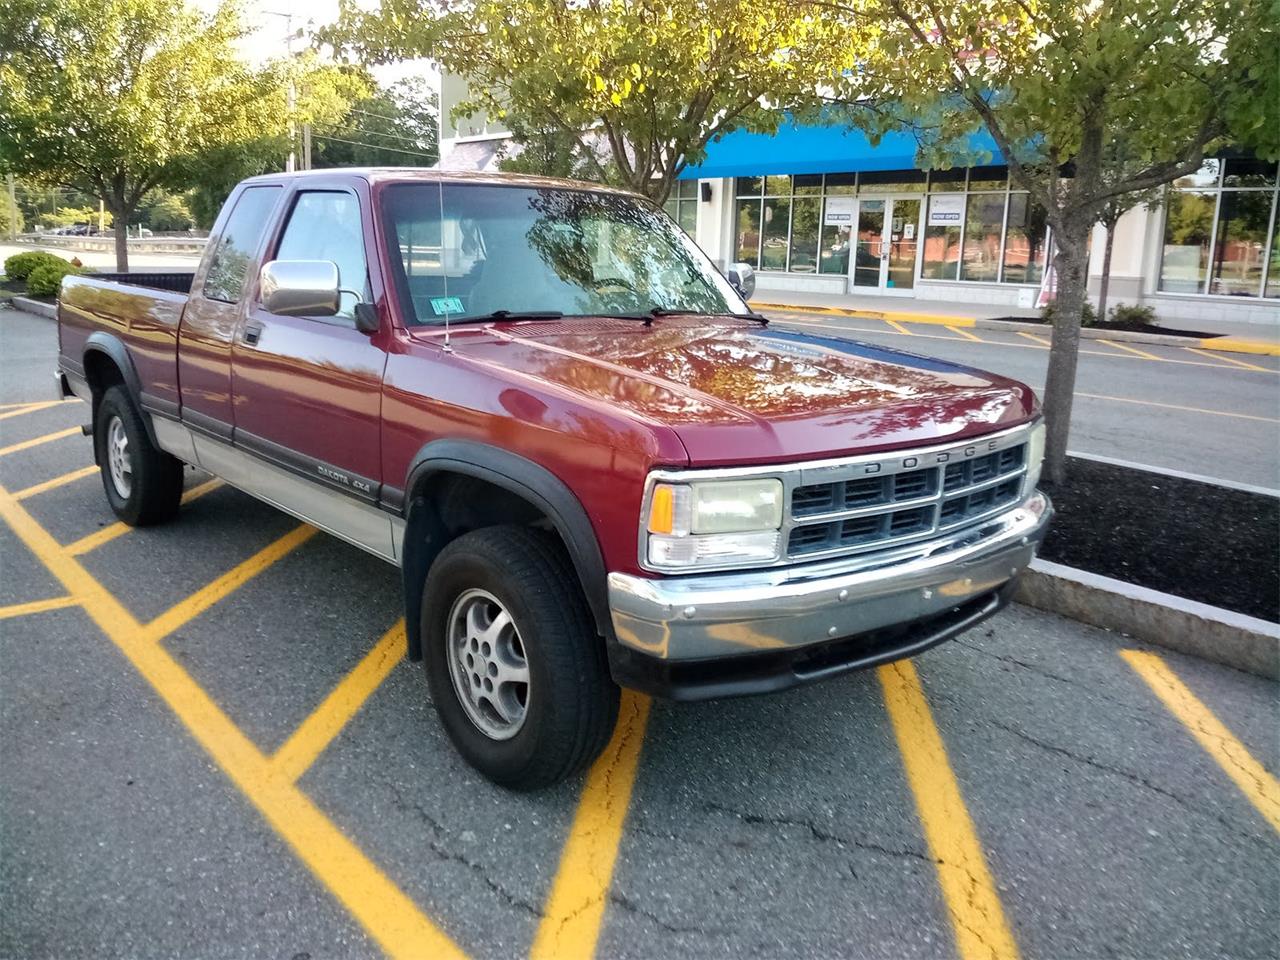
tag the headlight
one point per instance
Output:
(713, 523)
(1035, 454)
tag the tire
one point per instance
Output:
(570, 701)
(143, 484)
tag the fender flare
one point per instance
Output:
(115, 350)
(425, 534)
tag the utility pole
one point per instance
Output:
(102, 216)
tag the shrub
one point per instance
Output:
(1132, 314)
(45, 280)
(1087, 319)
(20, 265)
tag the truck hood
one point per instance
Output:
(737, 393)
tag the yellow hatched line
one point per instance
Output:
(574, 911)
(304, 746)
(47, 438)
(37, 606)
(966, 334)
(977, 917)
(899, 327)
(1135, 351)
(1231, 360)
(1034, 338)
(30, 408)
(204, 598)
(390, 917)
(1221, 744)
(56, 482)
(96, 539)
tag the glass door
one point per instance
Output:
(886, 246)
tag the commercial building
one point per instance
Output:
(820, 210)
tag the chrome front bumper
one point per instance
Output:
(697, 618)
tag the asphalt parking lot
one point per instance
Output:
(212, 746)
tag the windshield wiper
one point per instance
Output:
(510, 315)
(665, 312)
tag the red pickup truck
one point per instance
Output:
(593, 464)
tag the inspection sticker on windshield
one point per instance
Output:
(442, 305)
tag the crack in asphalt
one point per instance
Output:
(817, 832)
(1128, 775)
(444, 854)
(631, 906)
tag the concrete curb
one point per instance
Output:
(1220, 344)
(39, 308)
(1198, 629)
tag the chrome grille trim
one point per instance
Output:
(798, 476)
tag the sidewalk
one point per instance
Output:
(1230, 336)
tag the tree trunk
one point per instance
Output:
(1106, 271)
(120, 214)
(1072, 265)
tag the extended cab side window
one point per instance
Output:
(240, 239)
(325, 225)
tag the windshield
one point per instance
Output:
(466, 251)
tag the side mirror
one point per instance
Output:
(742, 277)
(301, 288)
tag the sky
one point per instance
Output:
(269, 21)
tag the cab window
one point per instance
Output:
(239, 241)
(325, 225)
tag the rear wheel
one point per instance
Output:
(517, 673)
(143, 483)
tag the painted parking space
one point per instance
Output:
(265, 772)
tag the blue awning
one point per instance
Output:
(817, 149)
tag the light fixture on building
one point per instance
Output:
(706, 191)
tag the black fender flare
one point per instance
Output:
(115, 350)
(425, 535)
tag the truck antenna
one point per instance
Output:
(444, 270)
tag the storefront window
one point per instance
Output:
(809, 185)
(1188, 227)
(747, 224)
(806, 214)
(1273, 271)
(773, 250)
(1240, 245)
(1206, 176)
(942, 238)
(988, 178)
(682, 205)
(1249, 172)
(984, 218)
(777, 186)
(1024, 241)
(942, 181)
(840, 184)
(837, 223)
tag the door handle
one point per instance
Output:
(252, 331)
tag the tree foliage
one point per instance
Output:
(393, 127)
(1088, 102)
(656, 80)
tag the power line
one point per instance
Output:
(375, 146)
(379, 133)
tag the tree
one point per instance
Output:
(117, 98)
(164, 211)
(656, 80)
(393, 127)
(1087, 102)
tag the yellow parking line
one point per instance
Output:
(390, 917)
(1175, 406)
(232, 580)
(1134, 350)
(977, 917)
(1249, 775)
(899, 327)
(107, 534)
(1232, 360)
(305, 744)
(571, 919)
(37, 606)
(30, 408)
(966, 334)
(56, 482)
(1034, 338)
(47, 438)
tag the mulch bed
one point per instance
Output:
(1195, 540)
(1127, 327)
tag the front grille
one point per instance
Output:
(863, 513)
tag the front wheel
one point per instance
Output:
(143, 483)
(516, 671)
